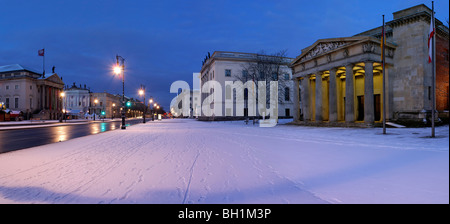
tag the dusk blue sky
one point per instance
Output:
(165, 41)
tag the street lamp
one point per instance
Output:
(95, 107)
(63, 94)
(142, 93)
(150, 101)
(117, 69)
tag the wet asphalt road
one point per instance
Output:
(11, 140)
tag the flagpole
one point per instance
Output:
(383, 39)
(43, 64)
(433, 75)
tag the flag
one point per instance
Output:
(41, 52)
(430, 41)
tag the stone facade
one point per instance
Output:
(26, 90)
(225, 67)
(442, 75)
(407, 74)
(76, 100)
(108, 103)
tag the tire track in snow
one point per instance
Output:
(190, 178)
(67, 173)
(279, 184)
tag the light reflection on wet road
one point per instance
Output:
(11, 140)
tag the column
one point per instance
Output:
(305, 99)
(50, 97)
(41, 97)
(318, 114)
(296, 111)
(349, 94)
(45, 97)
(369, 113)
(332, 101)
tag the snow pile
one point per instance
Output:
(186, 161)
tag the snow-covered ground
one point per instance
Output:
(186, 161)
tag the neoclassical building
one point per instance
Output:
(26, 90)
(76, 100)
(224, 66)
(105, 102)
(340, 79)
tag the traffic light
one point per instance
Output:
(128, 104)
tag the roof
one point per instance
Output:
(239, 56)
(17, 67)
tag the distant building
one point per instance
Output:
(76, 100)
(224, 66)
(105, 102)
(24, 89)
(349, 70)
(194, 103)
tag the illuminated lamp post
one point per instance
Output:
(117, 70)
(142, 93)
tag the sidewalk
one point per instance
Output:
(182, 161)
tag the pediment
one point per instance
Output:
(323, 46)
(55, 79)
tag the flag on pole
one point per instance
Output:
(41, 52)
(430, 38)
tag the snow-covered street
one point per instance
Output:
(187, 161)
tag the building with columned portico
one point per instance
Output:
(340, 79)
(30, 92)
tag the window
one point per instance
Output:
(429, 92)
(287, 112)
(31, 87)
(7, 102)
(7, 87)
(16, 103)
(16, 87)
(31, 102)
(274, 76)
(228, 92)
(261, 75)
(228, 72)
(244, 73)
(286, 76)
(286, 94)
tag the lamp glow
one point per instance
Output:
(117, 70)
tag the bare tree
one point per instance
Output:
(268, 67)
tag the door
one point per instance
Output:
(360, 109)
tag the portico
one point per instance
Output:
(341, 81)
